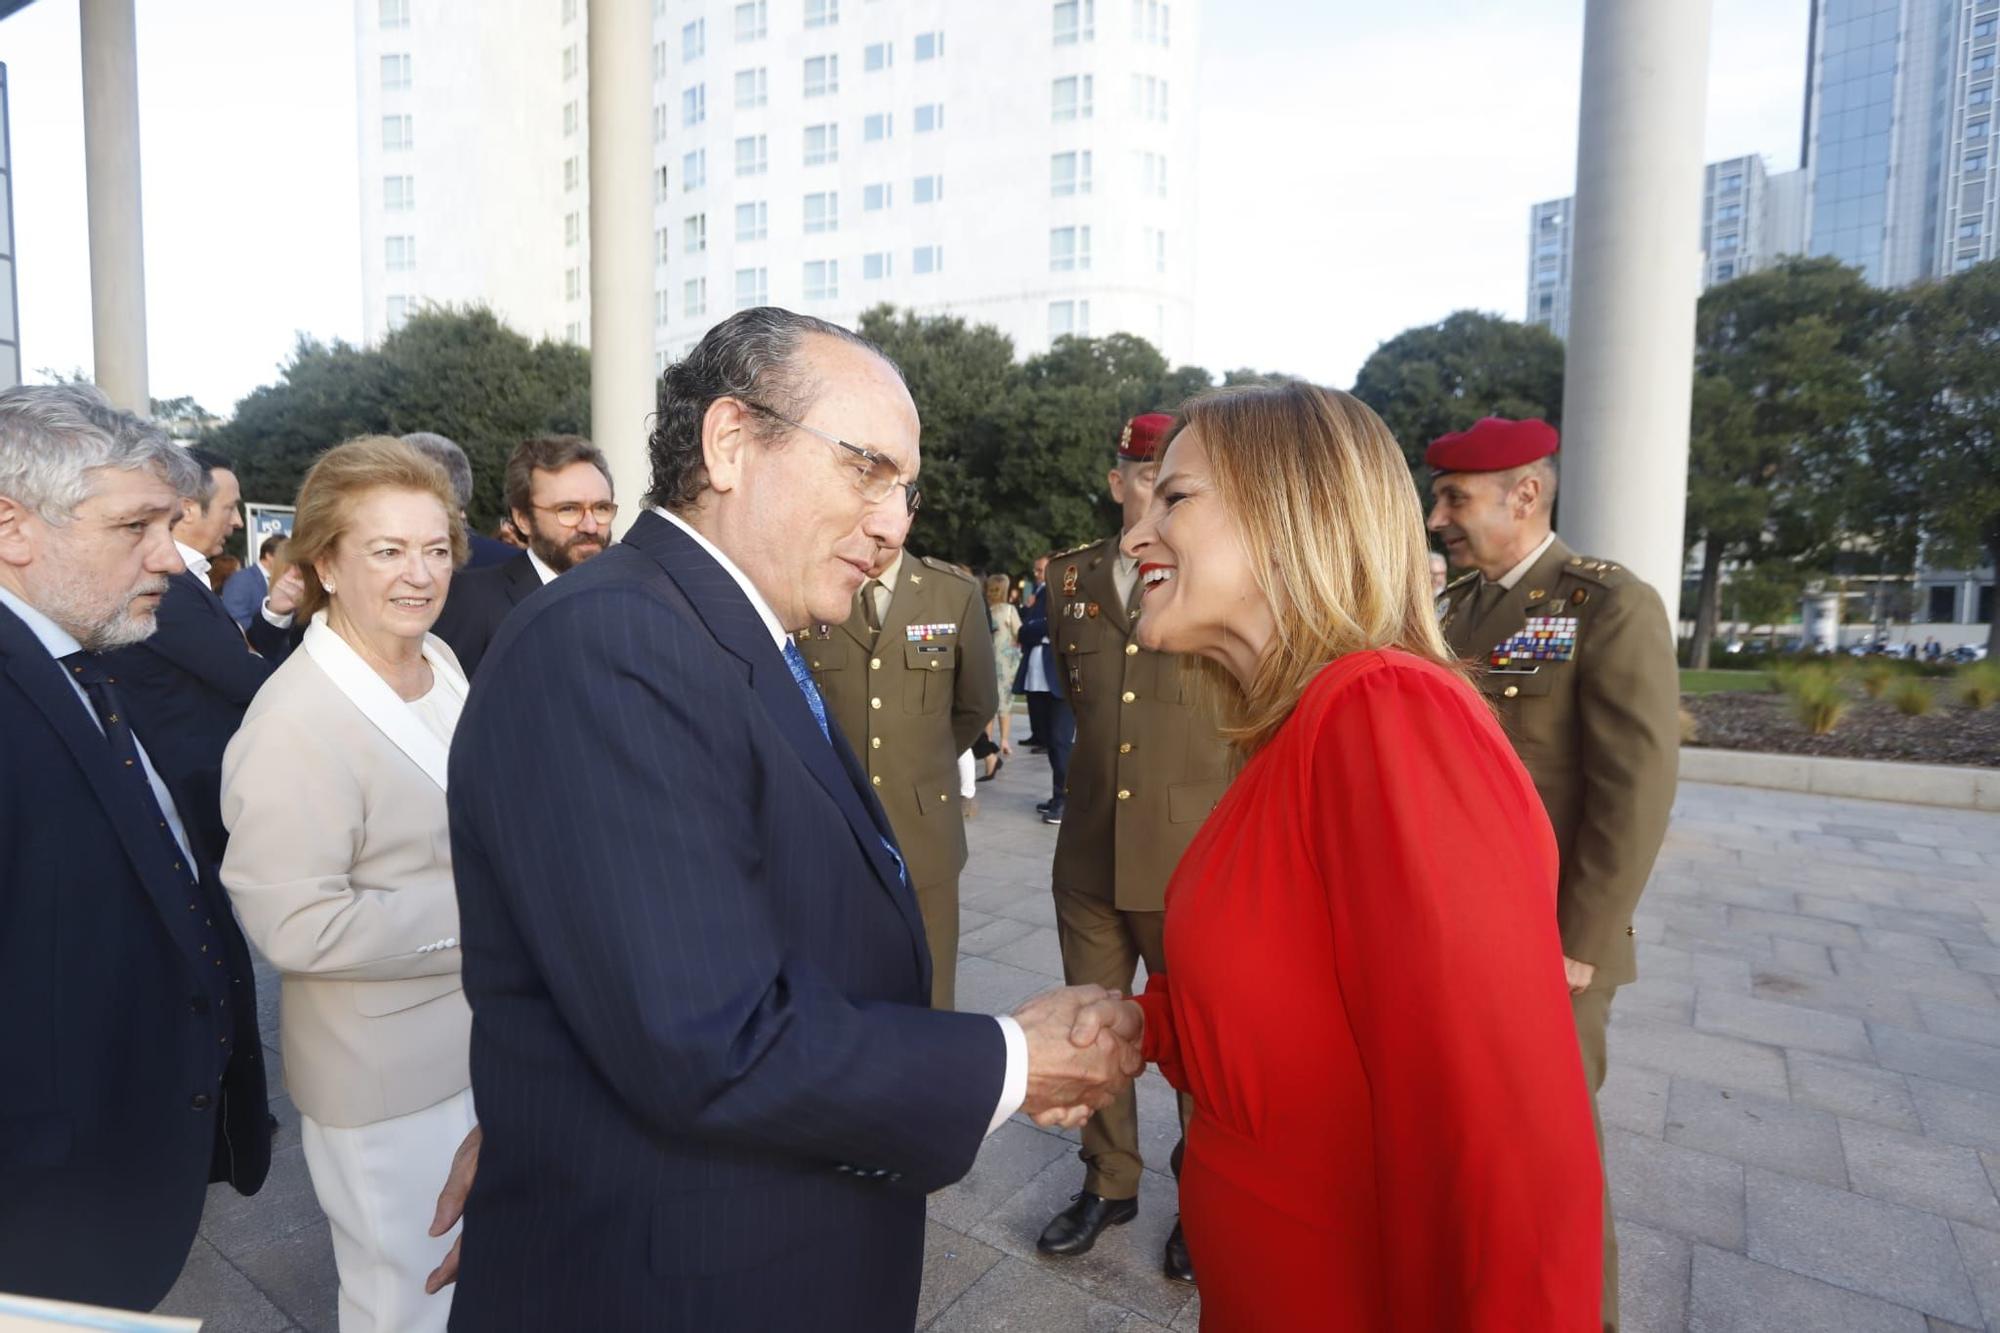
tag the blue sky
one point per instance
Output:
(1364, 168)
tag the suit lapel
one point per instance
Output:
(1100, 587)
(522, 580)
(202, 590)
(741, 631)
(41, 678)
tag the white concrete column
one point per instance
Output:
(621, 239)
(111, 183)
(1629, 377)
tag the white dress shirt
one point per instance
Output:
(1014, 1086)
(60, 644)
(542, 570)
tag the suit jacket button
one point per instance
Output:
(200, 1101)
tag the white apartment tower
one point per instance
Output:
(1027, 164)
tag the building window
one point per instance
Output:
(1732, 182)
(878, 127)
(694, 40)
(927, 189)
(694, 104)
(753, 21)
(753, 221)
(753, 155)
(398, 133)
(661, 246)
(930, 116)
(878, 56)
(1982, 62)
(400, 252)
(572, 175)
(1729, 213)
(659, 123)
(1984, 28)
(569, 61)
(930, 46)
(927, 259)
(753, 287)
(659, 62)
(1726, 243)
(822, 279)
(1153, 175)
(875, 198)
(1150, 23)
(822, 144)
(1072, 97)
(753, 88)
(395, 14)
(876, 266)
(1975, 161)
(1965, 262)
(662, 309)
(694, 170)
(822, 75)
(694, 297)
(1981, 96)
(1156, 248)
(1075, 21)
(822, 13)
(694, 233)
(1724, 272)
(399, 193)
(1977, 129)
(1968, 230)
(395, 74)
(398, 311)
(822, 212)
(1069, 249)
(1545, 304)
(569, 11)
(572, 284)
(1069, 173)
(572, 230)
(1149, 97)
(1069, 319)
(659, 185)
(1943, 600)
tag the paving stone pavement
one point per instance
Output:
(1802, 1115)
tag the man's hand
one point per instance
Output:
(1579, 974)
(285, 590)
(451, 1207)
(1067, 1080)
(1122, 1018)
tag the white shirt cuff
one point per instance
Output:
(273, 619)
(1013, 1088)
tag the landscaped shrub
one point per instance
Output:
(1979, 684)
(1912, 697)
(1818, 699)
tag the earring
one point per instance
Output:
(329, 589)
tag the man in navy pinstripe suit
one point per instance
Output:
(712, 1095)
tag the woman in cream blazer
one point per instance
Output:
(339, 866)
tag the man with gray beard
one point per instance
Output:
(128, 1014)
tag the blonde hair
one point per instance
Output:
(997, 588)
(1320, 496)
(339, 478)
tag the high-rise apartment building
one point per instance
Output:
(1028, 165)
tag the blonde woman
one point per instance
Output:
(1364, 992)
(339, 865)
(1005, 618)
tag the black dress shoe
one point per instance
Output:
(1178, 1266)
(1076, 1228)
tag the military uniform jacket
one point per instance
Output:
(1147, 768)
(910, 700)
(1578, 661)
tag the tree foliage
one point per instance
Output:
(1438, 378)
(460, 373)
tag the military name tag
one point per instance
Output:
(925, 633)
(1546, 639)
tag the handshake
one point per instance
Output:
(1083, 1049)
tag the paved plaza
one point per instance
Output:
(1803, 1112)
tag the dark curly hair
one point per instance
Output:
(752, 355)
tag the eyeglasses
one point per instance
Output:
(875, 475)
(570, 513)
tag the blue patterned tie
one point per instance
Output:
(802, 677)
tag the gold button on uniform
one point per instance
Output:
(874, 664)
(877, 779)
(875, 743)
(1125, 748)
(1128, 696)
(1124, 795)
(874, 703)
(1131, 650)
(1511, 691)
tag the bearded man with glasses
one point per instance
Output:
(559, 497)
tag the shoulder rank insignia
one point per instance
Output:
(1546, 639)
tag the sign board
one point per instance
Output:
(263, 522)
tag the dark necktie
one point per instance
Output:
(1484, 600)
(102, 690)
(802, 677)
(870, 612)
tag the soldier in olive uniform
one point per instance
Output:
(1577, 658)
(1145, 772)
(910, 678)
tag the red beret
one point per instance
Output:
(1494, 444)
(1142, 437)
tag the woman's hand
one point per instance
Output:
(1122, 1018)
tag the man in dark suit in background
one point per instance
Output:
(189, 682)
(128, 1012)
(713, 1094)
(244, 593)
(559, 495)
(485, 551)
(1049, 711)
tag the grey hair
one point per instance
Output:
(52, 436)
(752, 355)
(447, 455)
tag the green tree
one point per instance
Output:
(1937, 433)
(1438, 378)
(1782, 359)
(461, 373)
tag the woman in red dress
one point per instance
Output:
(1365, 992)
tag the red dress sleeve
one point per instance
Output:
(1161, 1043)
(1439, 870)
